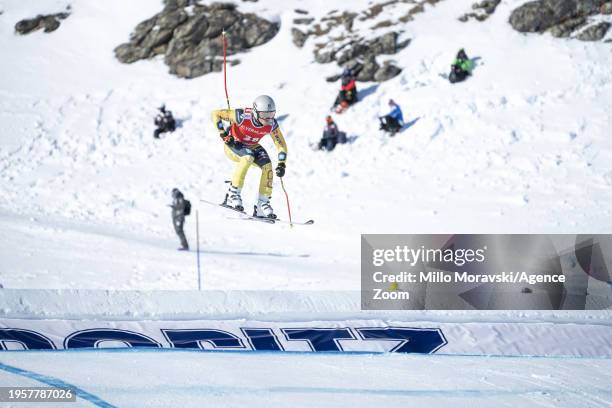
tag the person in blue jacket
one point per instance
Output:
(394, 120)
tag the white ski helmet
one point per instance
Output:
(264, 109)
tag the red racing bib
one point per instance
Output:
(246, 131)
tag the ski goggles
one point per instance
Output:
(267, 115)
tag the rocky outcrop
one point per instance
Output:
(337, 40)
(360, 56)
(561, 18)
(48, 23)
(189, 36)
(481, 11)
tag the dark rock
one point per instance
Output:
(353, 65)
(299, 37)
(386, 72)
(258, 31)
(216, 6)
(300, 11)
(323, 57)
(128, 53)
(161, 33)
(382, 24)
(177, 4)
(353, 51)
(347, 21)
(566, 28)
(369, 69)
(385, 44)
(48, 23)
(28, 25)
(595, 32)
(219, 21)
(562, 18)
(490, 6)
(541, 15)
(193, 30)
(142, 30)
(482, 10)
(171, 20)
(305, 21)
(191, 43)
(588, 7)
(538, 16)
(333, 78)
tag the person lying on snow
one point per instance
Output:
(348, 91)
(461, 68)
(331, 135)
(394, 120)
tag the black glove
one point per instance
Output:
(226, 137)
(280, 169)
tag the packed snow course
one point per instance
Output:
(195, 379)
(86, 238)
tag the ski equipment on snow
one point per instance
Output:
(244, 216)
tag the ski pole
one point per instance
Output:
(287, 198)
(225, 67)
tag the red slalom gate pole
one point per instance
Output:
(287, 198)
(225, 68)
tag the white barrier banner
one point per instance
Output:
(507, 339)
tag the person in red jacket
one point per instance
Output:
(348, 91)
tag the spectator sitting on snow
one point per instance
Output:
(331, 135)
(164, 121)
(394, 120)
(461, 67)
(348, 91)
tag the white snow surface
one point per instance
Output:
(522, 146)
(204, 379)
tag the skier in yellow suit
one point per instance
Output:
(247, 128)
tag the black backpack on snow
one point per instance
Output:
(187, 207)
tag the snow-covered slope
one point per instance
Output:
(523, 146)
